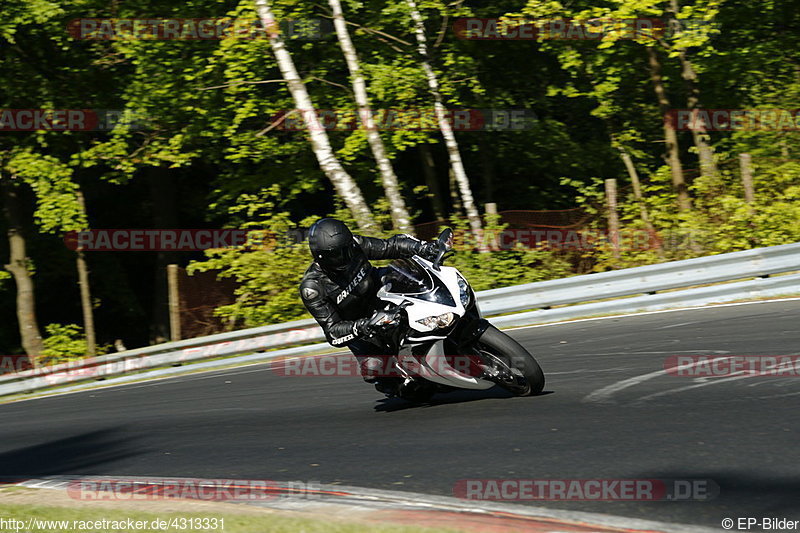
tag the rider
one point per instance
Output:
(339, 290)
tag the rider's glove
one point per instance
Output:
(428, 250)
(379, 321)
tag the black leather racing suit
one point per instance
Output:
(336, 304)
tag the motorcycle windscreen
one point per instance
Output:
(409, 278)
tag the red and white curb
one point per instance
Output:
(386, 506)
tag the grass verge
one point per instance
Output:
(54, 519)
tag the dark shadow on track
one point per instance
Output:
(389, 405)
(770, 495)
(71, 455)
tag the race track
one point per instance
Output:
(609, 412)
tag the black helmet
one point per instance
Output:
(332, 244)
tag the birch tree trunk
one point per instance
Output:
(672, 154)
(637, 193)
(613, 217)
(86, 295)
(456, 164)
(708, 167)
(18, 267)
(342, 182)
(705, 152)
(746, 169)
(400, 218)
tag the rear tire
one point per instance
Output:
(515, 356)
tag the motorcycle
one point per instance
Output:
(441, 340)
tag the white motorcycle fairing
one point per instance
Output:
(435, 368)
(429, 293)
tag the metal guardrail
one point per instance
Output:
(754, 288)
(759, 262)
(637, 290)
(170, 353)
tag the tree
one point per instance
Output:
(60, 209)
(672, 150)
(347, 189)
(707, 11)
(18, 265)
(41, 71)
(400, 218)
(676, 41)
(456, 164)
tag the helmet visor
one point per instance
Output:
(338, 258)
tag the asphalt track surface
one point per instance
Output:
(251, 423)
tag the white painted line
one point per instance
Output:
(712, 381)
(677, 325)
(778, 395)
(605, 393)
(643, 313)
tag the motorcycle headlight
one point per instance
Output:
(463, 291)
(441, 321)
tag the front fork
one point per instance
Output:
(467, 335)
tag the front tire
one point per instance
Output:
(499, 345)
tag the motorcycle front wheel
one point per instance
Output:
(521, 374)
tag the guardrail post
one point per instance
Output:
(613, 219)
(745, 164)
(491, 218)
(174, 303)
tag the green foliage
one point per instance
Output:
(64, 343)
(720, 222)
(58, 208)
(500, 268)
(268, 269)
